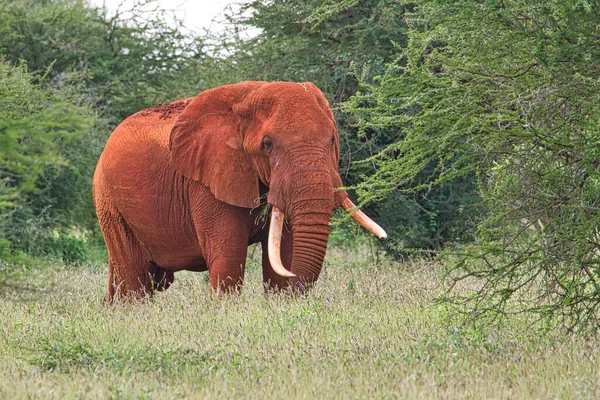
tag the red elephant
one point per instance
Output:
(188, 186)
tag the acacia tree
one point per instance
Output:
(335, 44)
(507, 91)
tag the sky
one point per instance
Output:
(196, 14)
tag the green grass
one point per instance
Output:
(369, 329)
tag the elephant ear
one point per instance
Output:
(206, 145)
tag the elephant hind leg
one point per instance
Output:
(130, 270)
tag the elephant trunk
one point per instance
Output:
(308, 212)
(310, 215)
(306, 195)
(309, 248)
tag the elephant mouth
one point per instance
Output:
(276, 229)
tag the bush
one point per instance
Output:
(506, 92)
(336, 45)
(82, 59)
(35, 126)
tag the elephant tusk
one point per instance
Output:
(362, 219)
(274, 244)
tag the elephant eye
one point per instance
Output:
(267, 145)
(333, 140)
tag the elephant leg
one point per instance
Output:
(223, 233)
(227, 263)
(129, 266)
(226, 271)
(271, 280)
(227, 274)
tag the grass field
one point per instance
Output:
(370, 329)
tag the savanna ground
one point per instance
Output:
(369, 329)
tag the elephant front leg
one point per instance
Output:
(223, 233)
(227, 274)
(226, 255)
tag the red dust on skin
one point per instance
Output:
(167, 111)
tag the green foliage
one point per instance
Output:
(506, 92)
(114, 64)
(125, 62)
(335, 44)
(308, 41)
(36, 125)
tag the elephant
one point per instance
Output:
(189, 186)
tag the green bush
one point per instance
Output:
(336, 45)
(87, 66)
(36, 124)
(505, 92)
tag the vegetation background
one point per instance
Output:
(470, 129)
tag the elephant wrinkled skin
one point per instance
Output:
(187, 186)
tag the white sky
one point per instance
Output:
(196, 14)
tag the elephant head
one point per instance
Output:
(281, 134)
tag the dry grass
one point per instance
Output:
(366, 331)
